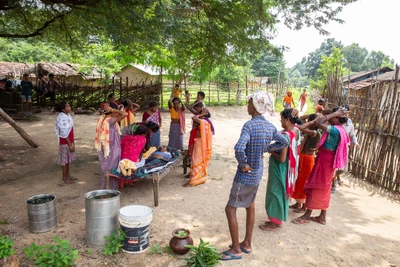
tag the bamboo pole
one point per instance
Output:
(21, 131)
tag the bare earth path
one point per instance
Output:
(363, 225)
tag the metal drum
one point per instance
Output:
(42, 213)
(102, 208)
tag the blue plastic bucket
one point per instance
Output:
(135, 222)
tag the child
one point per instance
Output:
(288, 101)
(177, 91)
(65, 133)
(26, 86)
(320, 107)
(40, 87)
(51, 88)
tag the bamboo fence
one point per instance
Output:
(376, 117)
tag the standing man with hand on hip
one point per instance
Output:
(254, 141)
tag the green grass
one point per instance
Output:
(221, 97)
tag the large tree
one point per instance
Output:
(377, 59)
(314, 59)
(183, 34)
(355, 57)
(270, 65)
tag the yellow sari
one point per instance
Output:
(201, 154)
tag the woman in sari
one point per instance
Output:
(153, 115)
(332, 154)
(306, 161)
(130, 109)
(107, 143)
(177, 127)
(202, 149)
(282, 174)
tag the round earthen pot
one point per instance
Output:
(178, 243)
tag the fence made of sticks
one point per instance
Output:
(376, 117)
(92, 97)
(222, 93)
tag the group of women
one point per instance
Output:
(293, 173)
(137, 138)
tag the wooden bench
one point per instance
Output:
(158, 176)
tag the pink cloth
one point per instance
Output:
(341, 150)
(132, 146)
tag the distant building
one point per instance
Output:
(139, 74)
(15, 70)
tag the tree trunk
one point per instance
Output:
(21, 132)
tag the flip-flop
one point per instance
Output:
(231, 256)
(300, 221)
(243, 250)
(315, 219)
(72, 178)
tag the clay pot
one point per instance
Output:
(177, 242)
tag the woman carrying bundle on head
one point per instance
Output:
(177, 127)
(282, 173)
(107, 143)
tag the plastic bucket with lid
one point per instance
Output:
(135, 221)
(101, 209)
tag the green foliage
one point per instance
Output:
(61, 254)
(156, 249)
(203, 255)
(6, 247)
(377, 59)
(270, 65)
(330, 71)
(355, 57)
(114, 243)
(182, 233)
(314, 59)
(176, 35)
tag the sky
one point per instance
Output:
(370, 23)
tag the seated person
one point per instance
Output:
(161, 153)
(131, 150)
(151, 128)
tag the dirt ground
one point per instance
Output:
(363, 224)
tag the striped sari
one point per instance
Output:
(201, 154)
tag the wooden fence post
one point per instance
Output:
(229, 92)
(209, 91)
(247, 91)
(217, 91)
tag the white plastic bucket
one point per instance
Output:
(135, 221)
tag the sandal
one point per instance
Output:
(227, 256)
(68, 181)
(72, 178)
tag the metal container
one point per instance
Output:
(42, 213)
(102, 208)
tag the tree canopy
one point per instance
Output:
(185, 34)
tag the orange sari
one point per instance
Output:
(201, 154)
